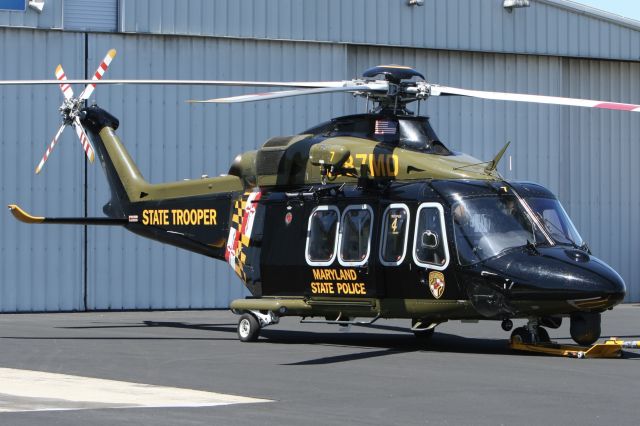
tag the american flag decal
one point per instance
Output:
(386, 127)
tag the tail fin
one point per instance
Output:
(128, 186)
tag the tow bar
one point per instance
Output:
(611, 348)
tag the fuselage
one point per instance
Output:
(396, 250)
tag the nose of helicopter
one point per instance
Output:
(560, 273)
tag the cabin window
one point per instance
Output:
(322, 236)
(355, 235)
(395, 229)
(430, 248)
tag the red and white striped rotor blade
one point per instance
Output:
(67, 91)
(47, 153)
(84, 139)
(98, 75)
(539, 99)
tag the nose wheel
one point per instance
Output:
(531, 333)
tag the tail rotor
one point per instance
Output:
(71, 108)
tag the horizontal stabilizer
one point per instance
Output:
(25, 217)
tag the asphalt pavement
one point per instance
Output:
(303, 374)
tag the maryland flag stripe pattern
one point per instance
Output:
(242, 218)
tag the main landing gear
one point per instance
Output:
(423, 329)
(251, 322)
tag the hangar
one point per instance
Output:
(552, 47)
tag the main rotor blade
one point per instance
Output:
(295, 92)
(67, 91)
(518, 97)
(98, 75)
(47, 153)
(84, 139)
(300, 84)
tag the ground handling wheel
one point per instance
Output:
(248, 328)
(543, 335)
(520, 335)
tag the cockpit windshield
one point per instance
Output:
(556, 220)
(487, 226)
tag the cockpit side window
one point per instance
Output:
(322, 236)
(395, 229)
(430, 247)
(355, 235)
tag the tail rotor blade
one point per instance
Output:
(86, 93)
(84, 139)
(67, 91)
(50, 148)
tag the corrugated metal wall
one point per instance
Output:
(50, 17)
(94, 15)
(600, 164)
(587, 157)
(169, 139)
(41, 267)
(480, 25)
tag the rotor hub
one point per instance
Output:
(70, 109)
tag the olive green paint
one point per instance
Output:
(135, 185)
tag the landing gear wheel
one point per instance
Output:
(422, 335)
(585, 328)
(523, 335)
(520, 335)
(248, 328)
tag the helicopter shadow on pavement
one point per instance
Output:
(223, 327)
(386, 344)
(399, 340)
(171, 324)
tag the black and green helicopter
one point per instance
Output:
(365, 216)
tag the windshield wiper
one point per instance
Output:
(547, 223)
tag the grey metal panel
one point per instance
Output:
(41, 267)
(602, 171)
(587, 157)
(172, 140)
(548, 27)
(94, 15)
(50, 17)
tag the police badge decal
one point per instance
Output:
(436, 284)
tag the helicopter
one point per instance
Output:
(363, 217)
